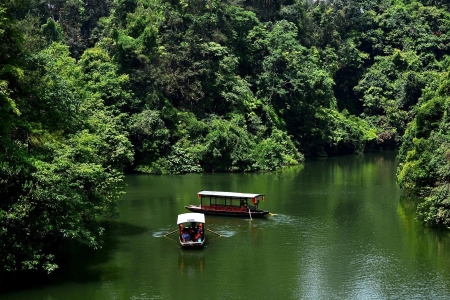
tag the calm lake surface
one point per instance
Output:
(341, 229)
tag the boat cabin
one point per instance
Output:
(229, 204)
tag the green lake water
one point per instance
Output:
(341, 229)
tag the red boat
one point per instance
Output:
(229, 204)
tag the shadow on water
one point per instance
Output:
(77, 262)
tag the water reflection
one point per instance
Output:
(191, 261)
(340, 229)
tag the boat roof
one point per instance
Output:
(228, 194)
(191, 217)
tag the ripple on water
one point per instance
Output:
(161, 233)
(307, 225)
(222, 232)
(226, 233)
(280, 219)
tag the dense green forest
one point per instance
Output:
(92, 89)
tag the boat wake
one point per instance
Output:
(279, 219)
(226, 233)
(161, 233)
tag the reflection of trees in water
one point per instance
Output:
(117, 228)
(408, 202)
(424, 242)
(191, 261)
(82, 261)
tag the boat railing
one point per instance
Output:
(224, 208)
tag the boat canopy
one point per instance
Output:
(228, 194)
(191, 217)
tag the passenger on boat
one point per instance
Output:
(185, 237)
(198, 235)
(191, 230)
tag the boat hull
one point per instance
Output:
(227, 212)
(191, 244)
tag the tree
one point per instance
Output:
(101, 76)
(63, 163)
(228, 146)
(425, 154)
(295, 85)
(150, 136)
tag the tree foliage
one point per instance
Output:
(62, 158)
(89, 89)
(425, 154)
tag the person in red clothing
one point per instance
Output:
(198, 235)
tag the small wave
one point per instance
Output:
(280, 219)
(226, 233)
(161, 233)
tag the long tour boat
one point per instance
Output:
(229, 204)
